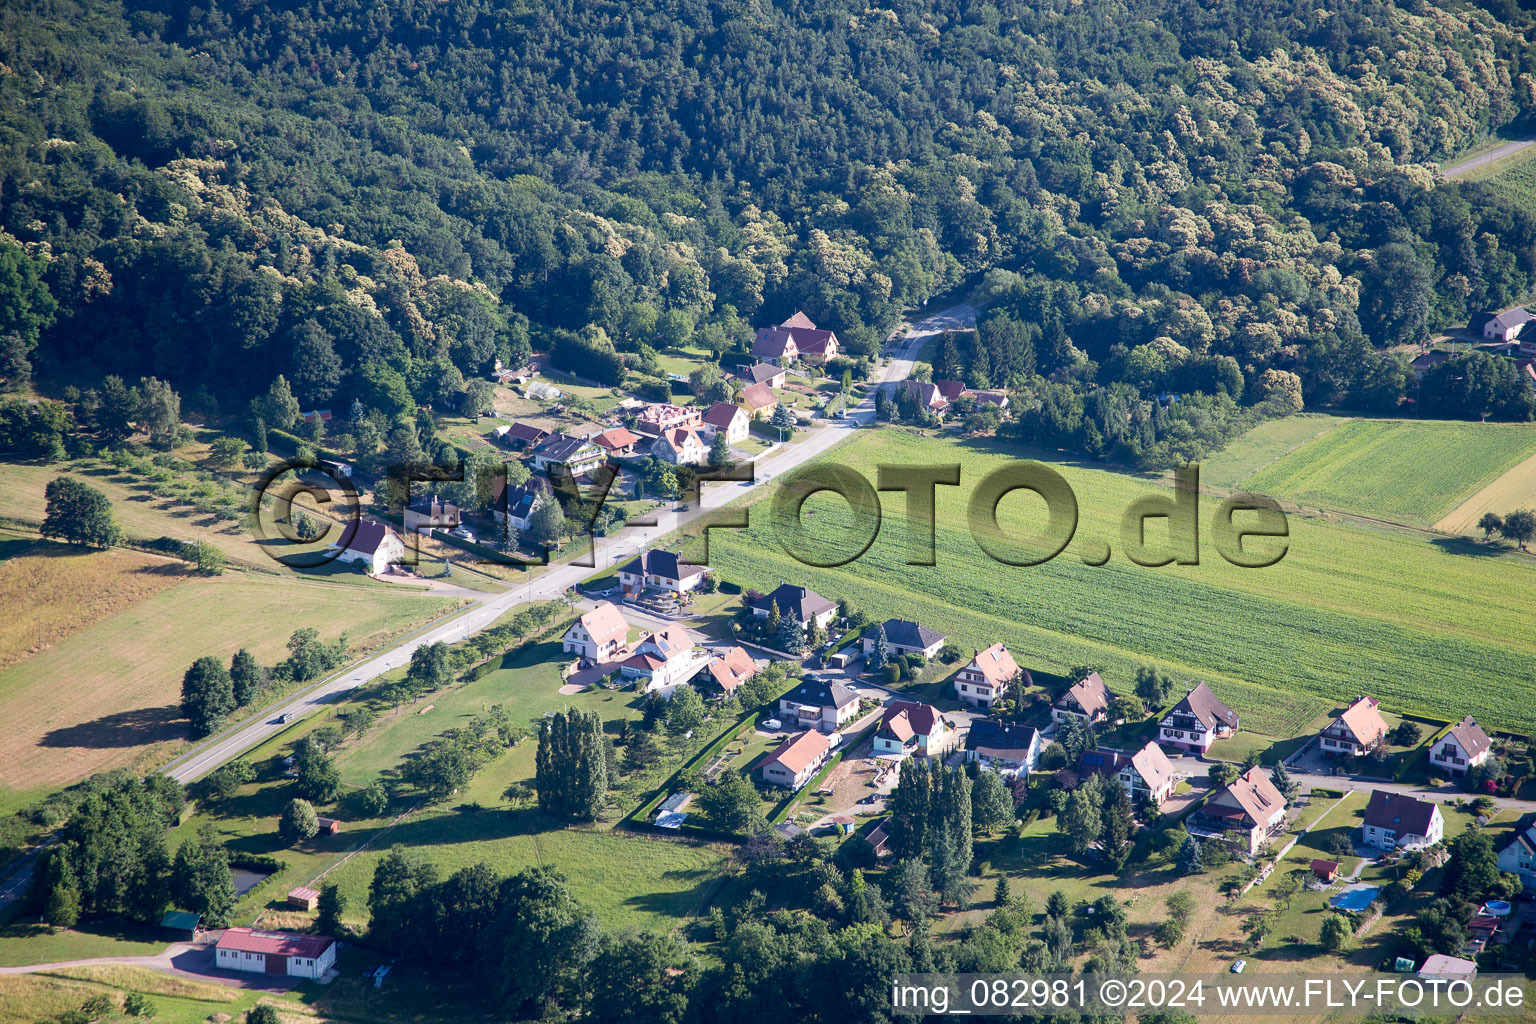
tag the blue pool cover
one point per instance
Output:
(1356, 899)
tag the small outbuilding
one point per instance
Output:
(183, 922)
(1325, 870)
(304, 898)
(328, 826)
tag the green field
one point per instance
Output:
(1268, 442)
(1405, 471)
(1349, 609)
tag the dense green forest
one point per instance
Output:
(357, 195)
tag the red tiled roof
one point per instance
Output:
(615, 438)
(801, 752)
(732, 668)
(246, 940)
(758, 396)
(1363, 721)
(906, 718)
(605, 623)
(995, 664)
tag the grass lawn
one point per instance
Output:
(1407, 471)
(1349, 609)
(31, 997)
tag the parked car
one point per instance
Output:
(1238, 966)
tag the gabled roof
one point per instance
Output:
(879, 837)
(365, 536)
(247, 940)
(801, 752)
(1524, 834)
(906, 718)
(1324, 868)
(563, 448)
(820, 693)
(772, 342)
(927, 393)
(760, 373)
(680, 437)
(911, 633)
(799, 319)
(949, 390)
(995, 664)
(1511, 318)
(818, 342)
(1202, 704)
(1006, 740)
(1153, 766)
(605, 623)
(1091, 694)
(1363, 721)
(732, 668)
(615, 438)
(527, 433)
(1256, 795)
(1404, 814)
(434, 507)
(666, 564)
(667, 643)
(758, 396)
(721, 414)
(801, 602)
(519, 502)
(1469, 736)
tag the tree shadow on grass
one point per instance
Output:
(1470, 547)
(135, 728)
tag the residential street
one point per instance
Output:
(551, 583)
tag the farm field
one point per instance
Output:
(1515, 489)
(1515, 177)
(124, 670)
(1348, 609)
(1409, 472)
(1266, 443)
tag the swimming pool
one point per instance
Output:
(1356, 898)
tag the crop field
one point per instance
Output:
(1514, 489)
(1267, 442)
(124, 670)
(1409, 472)
(1515, 178)
(1348, 609)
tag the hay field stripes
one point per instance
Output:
(1413, 472)
(1514, 490)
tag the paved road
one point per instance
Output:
(1494, 155)
(553, 582)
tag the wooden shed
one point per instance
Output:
(328, 826)
(1325, 870)
(304, 898)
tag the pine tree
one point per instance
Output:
(981, 366)
(719, 450)
(1001, 896)
(771, 628)
(330, 906)
(1283, 781)
(881, 652)
(949, 359)
(1118, 823)
(1189, 856)
(791, 635)
(508, 538)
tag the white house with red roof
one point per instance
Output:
(728, 670)
(1462, 748)
(797, 761)
(681, 446)
(289, 954)
(987, 677)
(663, 659)
(1356, 732)
(1197, 721)
(370, 543)
(1146, 775)
(1087, 699)
(729, 419)
(911, 729)
(599, 635)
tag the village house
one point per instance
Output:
(1356, 732)
(728, 670)
(761, 373)
(522, 436)
(661, 660)
(663, 570)
(730, 420)
(987, 677)
(929, 396)
(879, 838)
(797, 761)
(796, 338)
(618, 442)
(805, 605)
(426, 513)
(1197, 721)
(681, 446)
(1087, 699)
(989, 396)
(369, 543)
(1008, 748)
(658, 418)
(1463, 748)
(1505, 327)
(910, 729)
(599, 635)
(1396, 821)
(281, 953)
(1147, 775)
(758, 401)
(1251, 807)
(819, 704)
(903, 637)
(575, 455)
(1518, 856)
(519, 503)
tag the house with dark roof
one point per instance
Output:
(1397, 821)
(1146, 775)
(1196, 722)
(906, 636)
(289, 954)
(662, 660)
(1462, 748)
(730, 420)
(796, 338)
(796, 762)
(1005, 747)
(807, 606)
(519, 503)
(1518, 856)
(1506, 326)
(430, 513)
(1356, 732)
(911, 729)
(988, 676)
(1251, 807)
(928, 395)
(664, 570)
(577, 455)
(522, 436)
(818, 703)
(369, 543)
(879, 838)
(1087, 699)
(761, 373)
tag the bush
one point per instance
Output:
(892, 673)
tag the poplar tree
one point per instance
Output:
(571, 766)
